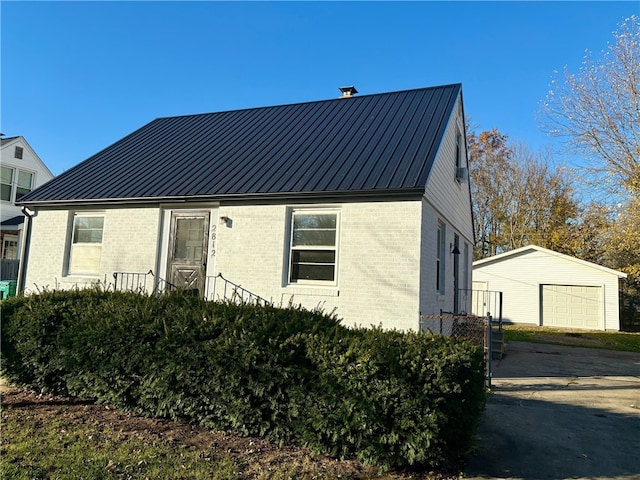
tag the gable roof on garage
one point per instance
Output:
(371, 145)
(534, 248)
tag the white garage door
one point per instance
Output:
(572, 306)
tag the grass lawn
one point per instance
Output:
(626, 342)
(47, 437)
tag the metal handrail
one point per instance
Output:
(233, 291)
(481, 302)
(137, 281)
(134, 281)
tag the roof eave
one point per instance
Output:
(415, 193)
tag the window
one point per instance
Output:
(10, 247)
(440, 259)
(86, 243)
(23, 183)
(458, 151)
(462, 172)
(18, 152)
(6, 183)
(467, 283)
(313, 246)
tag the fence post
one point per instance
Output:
(489, 337)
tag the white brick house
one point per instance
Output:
(357, 205)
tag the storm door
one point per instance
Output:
(188, 251)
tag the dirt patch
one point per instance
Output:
(571, 339)
(255, 454)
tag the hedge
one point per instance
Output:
(290, 375)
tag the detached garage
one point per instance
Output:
(547, 288)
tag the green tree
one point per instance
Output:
(518, 199)
(623, 241)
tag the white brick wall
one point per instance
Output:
(378, 266)
(47, 251)
(385, 271)
(129, 244)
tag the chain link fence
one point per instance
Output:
(470, 328)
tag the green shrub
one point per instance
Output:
(287, 374)
(395, 399)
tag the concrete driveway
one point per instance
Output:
(561, 413)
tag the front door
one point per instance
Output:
(188, 251)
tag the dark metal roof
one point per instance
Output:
(6, 140)
(13, 221)
(364, 145)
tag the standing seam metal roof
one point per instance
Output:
(370, 143)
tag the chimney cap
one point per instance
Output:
(348, 91)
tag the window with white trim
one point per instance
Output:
(10, 247)
(467, 283)
(6, 184)
(313, 246)
(440, 244)
(86, 243)
(458, 150)
(14, 183)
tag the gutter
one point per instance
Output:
(344, 195)
(24, 253)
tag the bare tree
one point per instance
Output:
(598, 109)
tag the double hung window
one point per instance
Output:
(14, 183)
(86, 243)
(314, 247)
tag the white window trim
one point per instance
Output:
(14, 181)
(290, 247)
(6, 240)
(440, 258)
(80, 246)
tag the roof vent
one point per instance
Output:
(348, 91)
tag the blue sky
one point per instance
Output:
(78, 76)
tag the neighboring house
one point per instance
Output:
(21, 171)
(358, 205)
(547, 288)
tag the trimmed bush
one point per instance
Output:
(290, 375)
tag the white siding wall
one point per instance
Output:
(129, 244)
(449, 201)
(520, 277)
(30, 162)
(449, 197)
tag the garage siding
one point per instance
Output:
(520, 275)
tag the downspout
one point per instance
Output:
(24, 253)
